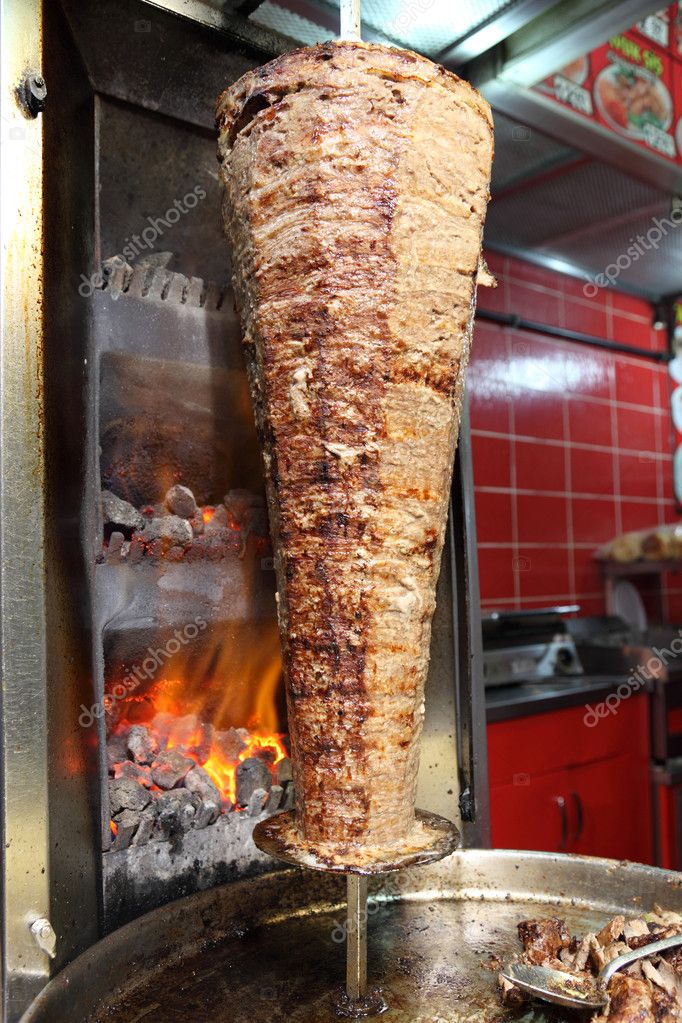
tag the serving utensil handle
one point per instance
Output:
(638, 953)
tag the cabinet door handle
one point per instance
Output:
(561, 803)
(579, 816)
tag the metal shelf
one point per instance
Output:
(615, 569)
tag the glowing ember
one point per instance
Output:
(207, 514)
(114, 828)
(174, 726)
(224, 771)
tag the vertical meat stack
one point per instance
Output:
(356, 181)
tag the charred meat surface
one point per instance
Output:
(543, 939)
(647, 991)
(356, 183)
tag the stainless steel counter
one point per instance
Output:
(523, 699)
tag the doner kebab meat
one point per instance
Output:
(647, 991)
(356, 182)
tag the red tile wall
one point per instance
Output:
(571, 444)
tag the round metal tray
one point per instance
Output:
(272, 948)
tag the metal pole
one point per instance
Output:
(356, 939)
(350, 19)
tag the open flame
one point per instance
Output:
(198, 745)
(224, 773)
(225, 687)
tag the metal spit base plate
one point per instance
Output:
(273, 948)
(436, 837)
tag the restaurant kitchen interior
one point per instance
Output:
(144, 720)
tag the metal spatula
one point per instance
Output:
(572, 991)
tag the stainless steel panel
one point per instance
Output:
(23, 655)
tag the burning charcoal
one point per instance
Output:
(117, 748)
(175, 553)
(218, 520)
(284, 772)
(133, 772)
(142, 746)
(136, 552)
(162, 725)
(145, 829)
(198, 781)
(289, 798)
(126, 794)
(176, 810)
(252, 774)
(180, 501)
(116, 541)
(169, 769)
(275, 798)
(230, 743)
(168, 527)
(197, 524)
(203, 743)
(118, 513)
(266, 753)
(182, 729)
(126, 825)
(257, 801)
(206, 814)
(244, 508)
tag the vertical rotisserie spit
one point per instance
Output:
(356, 181)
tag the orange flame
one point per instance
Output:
(114, 828)
(224, 773)
(228, 684)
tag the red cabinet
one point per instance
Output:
(557, 784)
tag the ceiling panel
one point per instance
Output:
(588, 216)
(522, 152)
(429, 26)
(279, 19)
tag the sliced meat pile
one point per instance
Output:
(356, 182)
(648, 991)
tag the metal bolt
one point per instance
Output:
(33, 94)
(45, 937)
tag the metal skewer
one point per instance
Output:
(357, 1001)
(356, 940)
(350, 19)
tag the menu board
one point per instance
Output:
(631, 85)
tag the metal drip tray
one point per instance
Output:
(272, 948)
